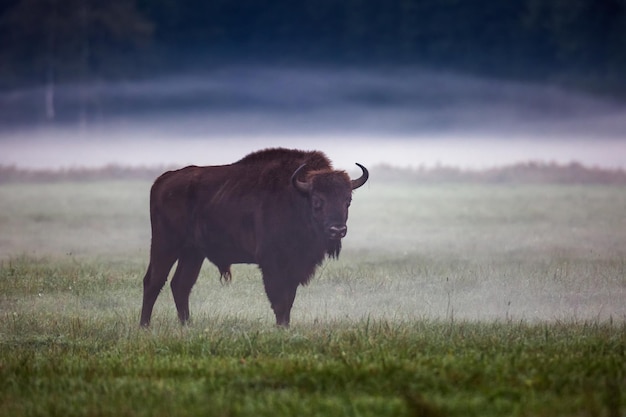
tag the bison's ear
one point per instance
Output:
(303, 187)
(360, 181)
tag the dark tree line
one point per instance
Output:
(45, 42)
(86, 38)
(74, 39)
(509, 37)
(512, 37)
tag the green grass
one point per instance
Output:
(451, 300)
(104, 365)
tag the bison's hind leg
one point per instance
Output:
(153, 282)
(185, 277)
(146, 309)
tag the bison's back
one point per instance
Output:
(259, 171)
(282, 156)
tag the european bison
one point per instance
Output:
(281, 209)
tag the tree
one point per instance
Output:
(52, 41)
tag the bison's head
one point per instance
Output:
(329, 193)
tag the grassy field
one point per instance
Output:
(448, 300)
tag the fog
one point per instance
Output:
(525, 253)
(404, 117)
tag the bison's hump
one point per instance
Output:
(313, 159)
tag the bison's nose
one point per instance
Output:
(337, 231)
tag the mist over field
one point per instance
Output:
(413, 252)
(397, 116)
(471, 253)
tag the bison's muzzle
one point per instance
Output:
(337, 231)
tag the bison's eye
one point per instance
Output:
(317, 202)
(348, 201)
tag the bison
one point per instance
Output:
(284, 210)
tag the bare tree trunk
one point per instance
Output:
(51, 66)
(84, 64)
(50, 108)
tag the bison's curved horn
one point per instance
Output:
(301, 186)
(360, 181)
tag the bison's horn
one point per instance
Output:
(301, 186)
(360, 181)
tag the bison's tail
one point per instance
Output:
(225, 275)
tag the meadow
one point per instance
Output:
(449, 299)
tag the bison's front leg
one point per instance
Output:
(281, 294)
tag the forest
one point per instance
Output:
(69, 40)
(577, 44)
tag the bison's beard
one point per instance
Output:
(333, 247)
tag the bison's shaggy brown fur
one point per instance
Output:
(281, 209)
